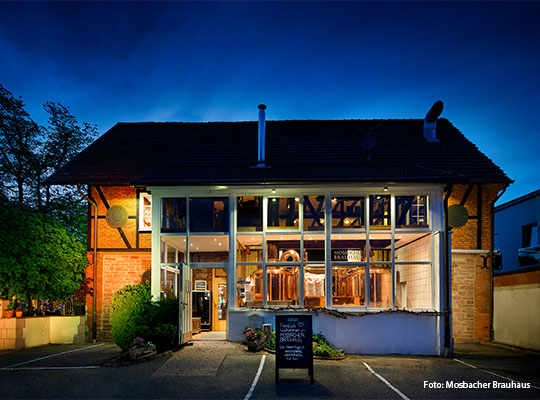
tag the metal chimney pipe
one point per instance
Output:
(262, 133)
(430, 121)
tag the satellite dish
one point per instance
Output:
(368, 140)
(457, 216)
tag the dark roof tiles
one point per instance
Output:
(296, 151)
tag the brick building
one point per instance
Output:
(331, 217)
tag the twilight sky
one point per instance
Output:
(206, 61)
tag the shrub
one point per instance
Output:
(128, 313)
(323, 348)
(133, 314)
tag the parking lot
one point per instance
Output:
(217, 369)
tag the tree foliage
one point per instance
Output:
(29, 153)
(39, 259)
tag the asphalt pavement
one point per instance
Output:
(223, 370)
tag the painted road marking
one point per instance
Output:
(51, 355)
(48, 368)
(493, 373)
(256, 379)
(386, 382)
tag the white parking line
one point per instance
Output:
(49, 356)
(252, 388)
(493, 373)
(47, 368)
(386, 382)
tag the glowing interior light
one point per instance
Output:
(215, 240)
(296, 199)
(347, 221)
(219, 244)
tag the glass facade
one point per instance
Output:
(368, 251)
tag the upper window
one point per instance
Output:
(314, 213)
(173, 215)
(348, 212)
(411, 212)
(283, 213)
(529, 235)
(379, 212)
(209, 214)
(145, 212)
(249, 214)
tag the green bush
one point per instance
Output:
(161, 323)
(128, 313)
(323, 348)
(133, 314)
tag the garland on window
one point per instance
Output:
(344, 314)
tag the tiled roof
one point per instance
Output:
(296, 151)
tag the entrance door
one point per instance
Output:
(219, 302)
(184, 298)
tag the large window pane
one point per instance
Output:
(249, 214)
(413, 247)
(283, 213)
(173, 249)
(249, 248)
(209, 248)
(380, 286)
(348, 286)
(283, 247)
(413, 286)
(314, 249)
(412, 211)
(249, 286)
(379, 212)
(348, 212)
(314, 285)
(209, 215)
(349, 247)
(380, 247)
(282, 285)
(173, 215)
(314, 213)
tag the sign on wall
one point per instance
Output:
(347, 255)
(294, 343)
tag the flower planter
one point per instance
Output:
(18, 314)
(138, 353)
(258, 344)
(9, 313)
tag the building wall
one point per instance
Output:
(516, 319)
(123, 255)
(509, 219)
(124, 258)
(471, 272)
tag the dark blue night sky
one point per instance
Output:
(206, 61)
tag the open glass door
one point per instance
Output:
(185, 328)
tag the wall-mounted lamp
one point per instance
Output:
(273, 191)
(385, 189)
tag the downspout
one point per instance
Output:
(94, 262)
(492, 248)
(448, 278)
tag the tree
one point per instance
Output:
(39, 259)
(19, 139)
(29, 153)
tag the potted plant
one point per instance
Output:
(10, 310)
(255, 338)
(140, 349)
(18, 312)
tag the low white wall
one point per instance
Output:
(378, 333)
(67, 330)
(516, 315)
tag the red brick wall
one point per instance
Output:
(471, 280)
(117, 265)
(517, 278)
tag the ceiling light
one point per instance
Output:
(385, 189)
(273, 190)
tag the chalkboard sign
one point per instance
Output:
(294, 343)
